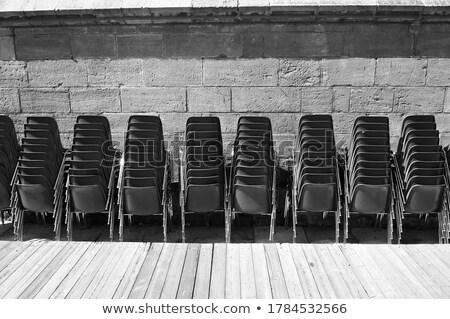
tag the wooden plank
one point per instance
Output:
(7, 246)
(320, 275)
(443, 256)
(293, 284)
(173, 278)
(232, 276)
(77, 271)
(276, 276)
(429, 268)
(146, 272)
(247, 272)
(29, 270)
(438, 264)
(364, 272)
(263, 288)
(35, 286)
(111, 283)
(61, 273)
(356, 288)
(403, 272)
(90, 273)
(131, 274)
(162, 268)
(388, 270)
(187, 281)
(218, 272)
(412, 264)
(337, 281)
(12, 251)
(106, 267)
(203, 274)
(304, 272)
(34, 249)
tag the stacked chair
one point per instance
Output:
(39, 177)
(368, 172)
(93, 170)
(316, 186)
(421, 173)
(9, 152)
(203, 186)
(144, 172)
(253, 171)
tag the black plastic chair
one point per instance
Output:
(144, 173)
(39, 178)
(315, 174)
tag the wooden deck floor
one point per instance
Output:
(45, 269)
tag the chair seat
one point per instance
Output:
(422, 199)
(251, 199)
(87, 199)
(142, 201)
(35, 197)
(318, 198)
(370, 199)
(204, 198)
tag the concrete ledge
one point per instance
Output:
(215, 10)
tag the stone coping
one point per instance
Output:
(186, 9)
(24, 6)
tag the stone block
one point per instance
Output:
(198, 45)
(371, 100)
(41, 47)
(142, 100)
(12, 74)
(300, 72)
(209, 99)
(419, 100)
(139, 45)
(255, 72)
(95, 100)
(400, 72)
(114, 72)
(438, 72)
(266, 99)
(317, 100)
(55, 73)
(166, 72)
(354, 72)
(9, 101)
(93, 46)
(45, 100)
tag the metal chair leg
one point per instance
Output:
(183, 226)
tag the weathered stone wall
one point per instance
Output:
(281, 70)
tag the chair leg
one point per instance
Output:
(111, 226)
(183, 226)
(165, 224)
(21, 225)
(2, 217)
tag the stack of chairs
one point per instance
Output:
(316, 186)
(144, 172)
(39, 178)
(253, 171)
(9, 153)
(203, 185)
(93, 169)
(368, 172)
(421, 174)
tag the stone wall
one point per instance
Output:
(347, 64)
